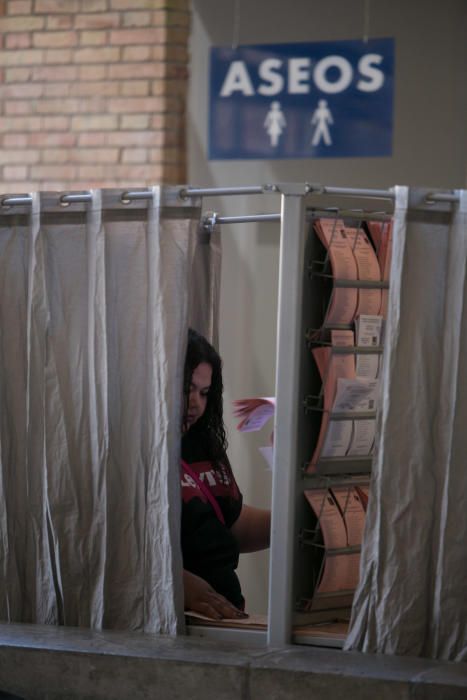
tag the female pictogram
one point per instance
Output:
(275, 123)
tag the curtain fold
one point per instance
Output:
(95, 304)
(411, 597)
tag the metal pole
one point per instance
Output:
(217, 191)
(289, 340)
(355, 192)
(247, 218)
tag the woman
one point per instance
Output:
(216, 524)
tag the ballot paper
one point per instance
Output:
(340, 569)
(369, 300)
(356, 395)
(268, 453)
(343, 303)
(353, 512)
(362, 439)
(334, 436)
(368, 332)
(254, 414)
(363, 492)
(381, 235)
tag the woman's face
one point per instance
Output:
(198, 394)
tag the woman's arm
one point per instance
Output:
(252, 529)
(201, 597)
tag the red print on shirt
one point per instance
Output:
(220, 481)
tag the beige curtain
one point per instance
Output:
(412, 597)
(95, 302)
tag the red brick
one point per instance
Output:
(15, 172)
(93, 72)
(63, 106)
(134, 138)
(16, 140)
(134, 88)
(21, 91)
(55, 123)
(100, 55)
(47, 140)
(58, 56)
(54, 40)
(93, 138)
(154, 35)
(56, 6)
(19, 156)
(143, 173)
(59, 22)
(57, 89)
(21, 58)
(122, 71)
(56, 74)
(140, 104)
(8, 124)
(54, 155)
(93, 38)
(21, 24)
(100, 21)
(136, 53)
(137, 4)
(94, 5)
(58, 172)
(94, 122)
(17, 75)
(94, 89)
(23, 107)
(20, 7)
(158, 121)
(137, 19)
(19, 40)
(134, 121)
(96, 155)
(135, 155)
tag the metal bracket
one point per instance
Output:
(297, 189)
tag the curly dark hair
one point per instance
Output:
(206, 439)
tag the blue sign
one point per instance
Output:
(305, 100)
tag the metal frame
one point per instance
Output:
(287, 476)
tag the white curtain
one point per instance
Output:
(412, 597)
(95, 302)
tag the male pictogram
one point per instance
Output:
(321, 118)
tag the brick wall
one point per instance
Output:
(92, 93)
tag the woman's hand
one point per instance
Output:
(202, 598)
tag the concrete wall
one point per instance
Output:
(430, 121)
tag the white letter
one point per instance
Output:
(368, 71)
(299, 70)
(237, 78)
(319, 74)
(266, 72)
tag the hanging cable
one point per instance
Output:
(236, 25)
(366, 20)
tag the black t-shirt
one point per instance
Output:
(208, 546)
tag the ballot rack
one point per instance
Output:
(296, 613)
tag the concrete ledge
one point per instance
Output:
(51, 663)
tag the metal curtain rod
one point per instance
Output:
(128, 196)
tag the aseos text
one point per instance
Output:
(331, 75)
